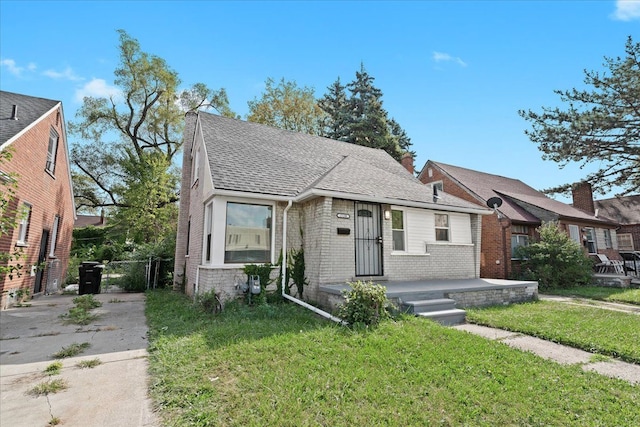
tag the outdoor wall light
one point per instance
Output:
(387, 214)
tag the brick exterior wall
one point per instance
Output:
(49, 195)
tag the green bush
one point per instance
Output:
(209, 302)
(365, 304)
(555, 261)
(86, 302)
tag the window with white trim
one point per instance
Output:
(208, 230)
(591, 240)
(248, 233)
(23, 225)
(625, 242)
(397, 230)
(196, 166)
(574, 234)
(442, 227)
(519, 237)
(186, 252)
(608, 242)
(52, 149)
(54, 236)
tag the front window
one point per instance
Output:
(397, 227)
(23, 226)
(608, 243)
(625, 241)
(590, 236)
(51, 151)
(574, 234)
(442, 227)
(248, 233)
(519, 237)
(54, 236)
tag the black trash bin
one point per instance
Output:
(90, 277)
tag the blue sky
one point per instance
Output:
(453, 73)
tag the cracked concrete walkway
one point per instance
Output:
(561, 353)
(114, 393)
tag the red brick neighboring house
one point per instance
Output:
(626, 211)
(523, 209)
(34, 130)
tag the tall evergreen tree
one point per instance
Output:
(336, 105)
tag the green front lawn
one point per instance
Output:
(590, 328)
(282, 366)
(630, 296)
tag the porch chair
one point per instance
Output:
(609, 265)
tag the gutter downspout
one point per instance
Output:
(284, 272)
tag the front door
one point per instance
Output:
(368, 238)
(42, 257)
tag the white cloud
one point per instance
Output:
(97, 88)
(445, 57)
(627, 10)
(67, 74)
(13, 68)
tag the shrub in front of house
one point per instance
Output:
(365, 304)
(555, 261)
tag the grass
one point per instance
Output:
(593, 329)
(49, 387)
(71, 350)
(88, 364)
(282, 365)
(80, 314)
(53, 369)
(629, 296)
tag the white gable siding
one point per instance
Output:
(420, 228)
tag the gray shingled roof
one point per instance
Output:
(250, 157)
(485, 186)
(29, 110)
(625, 210)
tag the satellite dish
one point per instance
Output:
(494, 202)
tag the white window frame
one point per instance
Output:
(54, 237)
(236, 237)
(402, 230)
(608, 241)
(52, 151)
(574, 234)
(23, 225)
(448, 227)
(590, 231)
(520, 240)
(196, 166)
(207, 235)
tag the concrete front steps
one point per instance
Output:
(441, 310)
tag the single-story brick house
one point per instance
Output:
(523, 209)
(33, 129)
(356, 212)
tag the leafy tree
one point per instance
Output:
(361, 118)
(600, 125)
(336, 105)
(287, 106)
(555, 261)
(139, 128)
(9, 218)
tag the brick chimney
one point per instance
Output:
(407, 162)
(583, 197)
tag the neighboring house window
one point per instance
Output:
(442, 227)
(591, 240)
(23, 226)
(574, 234)
(519, 237)
(54, 236)
(51, 151)
(196, 166)
(244, 223)
(397, 227)
(625, 242)
(208, 226)
(608, 243)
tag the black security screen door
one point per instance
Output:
(368, 238)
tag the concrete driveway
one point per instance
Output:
(114, 393)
